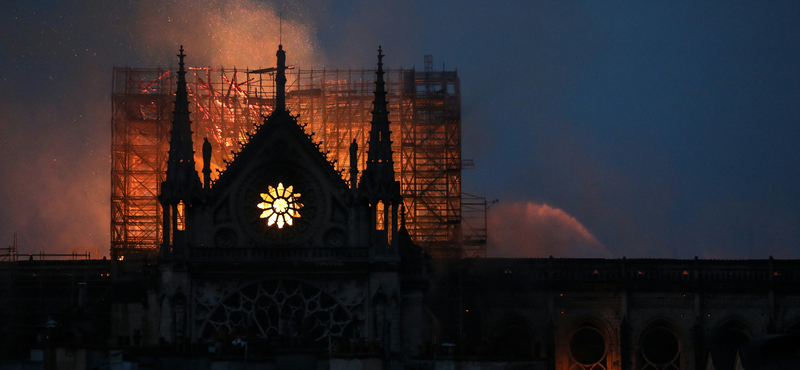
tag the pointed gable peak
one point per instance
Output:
(280, 139)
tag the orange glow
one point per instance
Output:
(280, 205)
(235, 32)
(227, 106)
(181, 216)
(379, 215)
(530, 229)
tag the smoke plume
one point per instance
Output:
(55, 93)
(239, 33)
(528, 229)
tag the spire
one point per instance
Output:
(181, 148)
(182, 181)
(181, 188)
(379, 156)
(280, 81)
(378, 184)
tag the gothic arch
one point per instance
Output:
(661, 345)
(731, 327)
(728, 336)
(588, 343)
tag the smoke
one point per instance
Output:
(55, 189)
(238, 33)
(56, 87)
(528, 229)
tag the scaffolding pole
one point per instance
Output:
(226, 104)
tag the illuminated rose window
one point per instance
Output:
(280, 206)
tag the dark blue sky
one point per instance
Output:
(665, 129)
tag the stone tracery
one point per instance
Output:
(271, 308)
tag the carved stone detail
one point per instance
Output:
(318, 311)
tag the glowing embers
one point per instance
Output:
(280, 205)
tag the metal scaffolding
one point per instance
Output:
(425, 110)
(473, 224)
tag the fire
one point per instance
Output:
(332, 106)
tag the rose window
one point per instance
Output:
(280, 205)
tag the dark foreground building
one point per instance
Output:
(282, 264)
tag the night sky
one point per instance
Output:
(610, 129)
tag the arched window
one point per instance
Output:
(660, 348)
(728, 339)
(588, 349)
(181, 224)
(382, 219)
(379, 212)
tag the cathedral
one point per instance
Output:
(281, 263)
(280, 247)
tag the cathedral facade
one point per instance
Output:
(280, 248)
(281, 263)
(281, 251)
